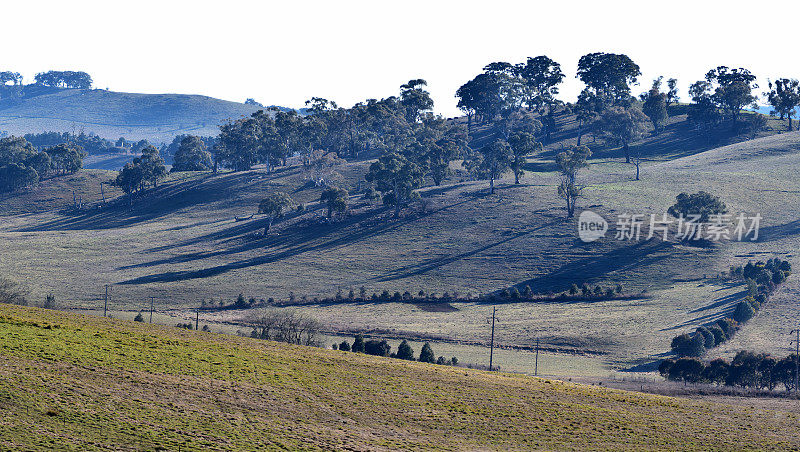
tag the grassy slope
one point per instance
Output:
(156, 117)
(71, 381)
(182, 244)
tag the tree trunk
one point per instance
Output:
(790, 123)
(491, 184)
(516, 178)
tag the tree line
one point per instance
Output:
(747, 370)
(21, 165)
(64, 79)
(404, 350)
(761, 280)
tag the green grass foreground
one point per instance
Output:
(76, 382)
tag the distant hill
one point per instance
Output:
(155, 117)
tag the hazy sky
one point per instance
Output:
(286, 52)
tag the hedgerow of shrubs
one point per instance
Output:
(761, 279)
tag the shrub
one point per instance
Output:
(426, 355)
(689, 370)
(719, 335)
(49, 302)
(729, 326)
(527, 292)
(744, 311)
(778, 277)
(717, 371)
(358, 344)
(344, 346)
(454, 361)
(139, 317)
(240, 301)
(441, 361)
(685, 345)
(764, 276)
(752, 287)
(573, 290)
(404, 351)
(514, 293)
(377, 348)
(709, 341)
(665, 366)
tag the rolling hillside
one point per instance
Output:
(155, 117)
(76, 382)
(182, 244)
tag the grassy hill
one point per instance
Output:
(182, 243)
(155, 117)
(75, 382)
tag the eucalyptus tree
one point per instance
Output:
(609, 75)
(784, 97)
(570, 162)
(396, 178)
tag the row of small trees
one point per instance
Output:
(746, 370)
(404, 350)
(21, 165)
(761, 279)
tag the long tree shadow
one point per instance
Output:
(162, 201)
(157, 203)
(432, 264)
(288, 245)
(721, 301)
(778, 232)
(636, 255)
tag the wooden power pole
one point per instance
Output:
(197, 320)
(796, 359)
(152, 301)
(105, 303)
(491, 344)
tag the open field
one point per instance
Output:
(182, 244)
(93, 383)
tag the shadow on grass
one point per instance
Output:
(605, 261)
(292, 242)
(155, 203)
